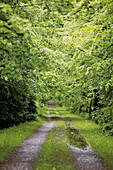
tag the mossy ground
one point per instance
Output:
(73, 135)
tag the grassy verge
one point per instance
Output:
(11, 137)
(53, 113)
(101, 144)
(71, 133)
(55, 153)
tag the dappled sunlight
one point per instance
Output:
(56, 65)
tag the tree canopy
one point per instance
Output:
(60, 49)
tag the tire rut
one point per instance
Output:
(24, 156)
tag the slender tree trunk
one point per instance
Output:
(90, 109)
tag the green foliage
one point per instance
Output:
(62, 50)
(89, 43)
(14, 45)
(16, 103)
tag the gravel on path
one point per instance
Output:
(24, 157)
(86, 159)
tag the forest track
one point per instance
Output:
(25, 155)
(84, 158)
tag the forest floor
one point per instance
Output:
(81, 155)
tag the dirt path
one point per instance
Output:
(84, 159)
(23, 157)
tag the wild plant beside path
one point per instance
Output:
(101, 143)
(11, 137)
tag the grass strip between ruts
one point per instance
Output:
(55, 153)
(101, 144)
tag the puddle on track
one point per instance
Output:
(23, 157)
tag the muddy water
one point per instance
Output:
(25, 155)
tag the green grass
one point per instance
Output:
(72, 134)
(53, 113)
(11, 137)
(55, 153)
(101, 144)
(42, 111)
(75, 138)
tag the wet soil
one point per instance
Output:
(83, 155)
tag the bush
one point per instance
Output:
(16, 102)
